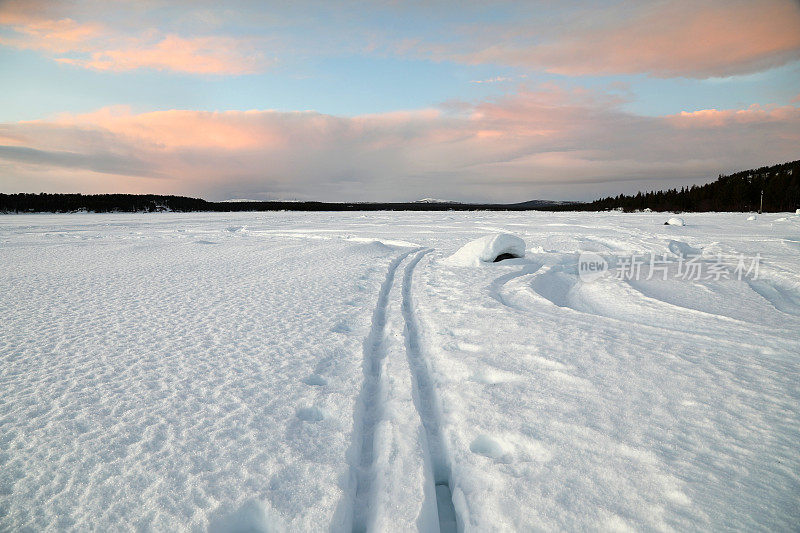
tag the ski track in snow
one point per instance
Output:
(368, 412)
(428, 406)
(372, 400)
(329, 371)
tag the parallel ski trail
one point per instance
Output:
(370, 406)
(427, 405)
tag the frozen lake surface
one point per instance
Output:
(332, 371)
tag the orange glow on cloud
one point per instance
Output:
(668, 39)
(107, 50)
(184, 129)
(710, 41)
(672, 38)
(199, 55)
(533, 137)
(53, 36)
(706, 118)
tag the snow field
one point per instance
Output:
(593, 424)
(331, 371)
(163, 385)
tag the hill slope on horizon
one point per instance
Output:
(740, 191)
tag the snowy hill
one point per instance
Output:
(435, 201)
(544, 203)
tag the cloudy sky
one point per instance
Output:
(391, 100)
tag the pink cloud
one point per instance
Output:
(199, 55)
(668, 38)
(53, 36)
(715, 118)
(665, 39)
(180, 129)
(575, 142)
(69, 42)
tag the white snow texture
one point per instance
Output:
(336, 372)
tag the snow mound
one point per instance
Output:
(752, 217)
(371, 247)
(487, 250)
(675, 221)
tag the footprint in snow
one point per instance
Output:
(341, 327)
(468, 347)
(494, 377)
(310, 414)
(315, 380)
(491, 448)
(253, 515)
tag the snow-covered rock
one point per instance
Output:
(487, 249)
(675, 221)
(752, 217)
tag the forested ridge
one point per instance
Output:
(740, 191)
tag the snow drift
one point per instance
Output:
(675, 221)
(487, 250)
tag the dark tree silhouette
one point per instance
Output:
(738, 192)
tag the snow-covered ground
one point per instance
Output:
(331, 371)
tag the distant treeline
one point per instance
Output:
(98, 203)
(738, 192)
(149, 203)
